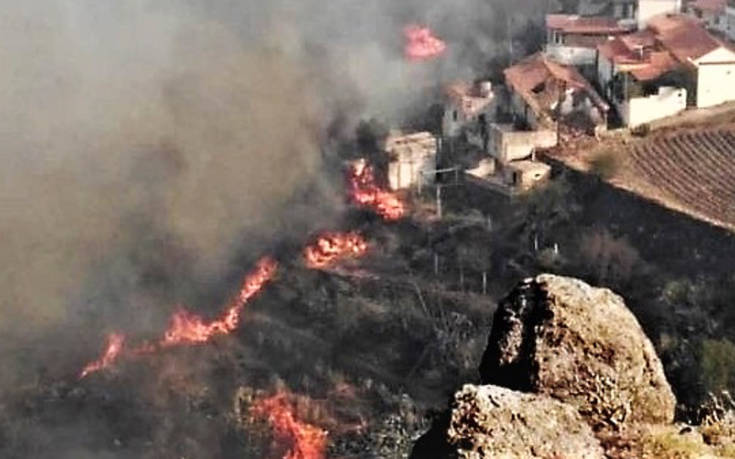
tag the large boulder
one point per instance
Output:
(579, 344)
(494, 422)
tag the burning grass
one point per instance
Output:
(365, 191)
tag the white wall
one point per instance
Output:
(650, 8)
(514, 145)
(715, 83)
(640, 110)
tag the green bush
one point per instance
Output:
(718, 365)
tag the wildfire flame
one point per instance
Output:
(305, 441)
(364, 191)
(332, 247)
(115, 342)
(421, 43)
(188, 328)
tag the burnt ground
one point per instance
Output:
(368, 349)
(372, 347)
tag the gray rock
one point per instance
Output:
(494, 422)
(560, 337)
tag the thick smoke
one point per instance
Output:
(150, 149)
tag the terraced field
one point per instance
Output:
(693, 172)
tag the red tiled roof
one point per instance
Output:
(538, 71)
(570, 23)
(684, 37)
(636, 53)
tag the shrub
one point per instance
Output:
(605, 164)
(718, 365)
(608, 259)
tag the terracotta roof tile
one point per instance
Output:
(570, 23)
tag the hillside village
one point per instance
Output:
(608, 75)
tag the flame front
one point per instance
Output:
(364, 191)
(332, 247)
(115, 342)
(188, 328)
(421, 43)
(305, 441)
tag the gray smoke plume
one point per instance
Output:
(151, 148)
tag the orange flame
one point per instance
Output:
(186, 327)
(421, 43)
(115, 342)
(189, 328)
(332, 247)
(366, 192)
(305, 441)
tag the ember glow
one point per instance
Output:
(305, 441)
(421, 43)
(332, 247)
(365, 191)
(188, 328)
(115, 342)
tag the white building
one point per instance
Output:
(649, 9)
(708, 61)
(637, 12)
(411, 159)
(636, 77)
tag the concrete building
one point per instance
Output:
(411, 159)
(649, 9)
(659, 71)
(543, 92)
(468, 110)
(639, 79)
(708, 61)
(637, 12)
(509, 144)
(573, 39)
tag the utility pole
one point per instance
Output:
(439, 200)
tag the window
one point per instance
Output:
(454, 115)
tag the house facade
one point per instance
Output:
(468, 110)
(544, 92)
(639, 79)
(412, 158)
(573, 39)
(709, 62)
(637, 12)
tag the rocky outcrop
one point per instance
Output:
(560, 337)
(491, 421)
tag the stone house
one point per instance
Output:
(543, 92)
(468, 110)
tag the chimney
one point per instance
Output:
(486, 88)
